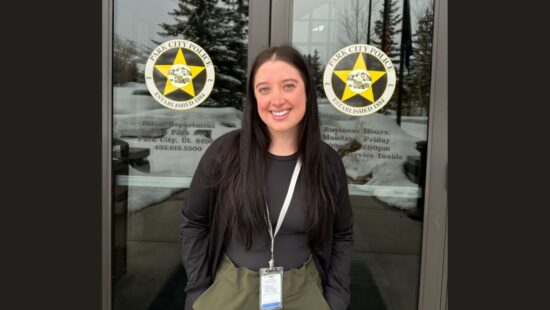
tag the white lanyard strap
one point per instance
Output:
(282, 215)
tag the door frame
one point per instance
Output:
(433, 268)
(106, 153)
(433, 272)
(258, 39)
(434, 261)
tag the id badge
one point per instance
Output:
(271, 288)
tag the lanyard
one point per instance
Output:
(282, 215)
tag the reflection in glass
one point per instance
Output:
(302, 29)
(319, 32)
(156, 149)
(385, 152)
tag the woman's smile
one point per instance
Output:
(280, 93)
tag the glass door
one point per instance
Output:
(167, 55)
(372, 64)
(176, 82)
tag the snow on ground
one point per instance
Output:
(384, 149)
(142, 123)
(416, 126)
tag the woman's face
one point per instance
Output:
(280, 93)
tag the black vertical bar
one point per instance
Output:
(368, 34)
(385, 40)
(270, 12)
(401, 61)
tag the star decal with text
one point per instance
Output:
(361, 67)
(179, 62)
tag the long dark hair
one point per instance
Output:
(242, 190)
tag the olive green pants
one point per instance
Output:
(238, 288)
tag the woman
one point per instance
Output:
(234, 246)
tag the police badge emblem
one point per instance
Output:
(179, 74)
(359, 79)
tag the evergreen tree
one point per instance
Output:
(393, 20)
(236, 42)
(421, 64)
(220, 28)
(386, 38)
(316, 67)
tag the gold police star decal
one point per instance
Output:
(359, 80)
(179, 75)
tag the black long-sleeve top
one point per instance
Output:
(291, 248)
(202, 233)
